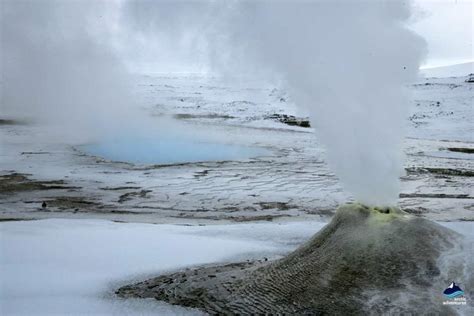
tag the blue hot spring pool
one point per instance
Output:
(169, 151)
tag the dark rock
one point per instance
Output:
(441, 171)
(187, 116)
(435, 196)
(9, 122)
(19, 182)
(289, 120)
(461, 150)
(131, 195)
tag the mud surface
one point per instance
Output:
(17, 182)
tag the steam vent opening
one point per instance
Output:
(169, 151)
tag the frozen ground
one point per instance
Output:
(289, 181)
(59, 266)
(73, 267)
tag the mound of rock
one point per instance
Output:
(365, 261)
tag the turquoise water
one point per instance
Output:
(169, 151)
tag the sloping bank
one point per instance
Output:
(365, 261)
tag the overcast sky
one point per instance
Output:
(169, 36)
(447, 26)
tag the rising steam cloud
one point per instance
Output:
(348, 63)
(58, 66)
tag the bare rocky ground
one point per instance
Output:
(293, 182)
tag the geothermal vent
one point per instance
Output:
(365, 261)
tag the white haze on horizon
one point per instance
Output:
(345, 62)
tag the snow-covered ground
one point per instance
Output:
(456, 70)
(95, 233)
(73, 267)
(290, 181)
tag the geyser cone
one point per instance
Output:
(366, 260)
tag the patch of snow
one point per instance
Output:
(456, 70)
(60, 266)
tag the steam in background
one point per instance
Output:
(68, 67)
(169, 36)
(58, 66)
(348, 63)
(345, 62)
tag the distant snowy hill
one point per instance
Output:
(456, 70)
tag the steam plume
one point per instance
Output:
(58, 66)
(348, 63)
